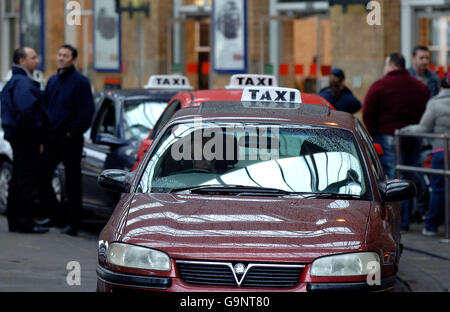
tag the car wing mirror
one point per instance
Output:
(397, 190)
(108, 139)
(116, 180)
(379, 149)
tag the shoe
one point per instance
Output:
(69, 230)
(428, 233)
(47, 222)
(39, 229)
(35, 229)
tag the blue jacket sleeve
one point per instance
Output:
(28, 103)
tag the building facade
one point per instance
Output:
(121, 43)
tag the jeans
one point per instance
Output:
(435, 215)
(409, 156)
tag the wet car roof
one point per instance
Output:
(311, 114)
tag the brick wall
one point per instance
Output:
(360, 49)
(54, 34)
(355, 46)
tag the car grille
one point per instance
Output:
(254, 275)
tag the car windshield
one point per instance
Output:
(140, 116)
(247, 158)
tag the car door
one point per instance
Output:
(95, 155)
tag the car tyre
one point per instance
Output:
(6, 170)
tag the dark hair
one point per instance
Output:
(397, 60)
(71, 48)
(19, 54)
(336, 78)
(420, 48)
(445, 82)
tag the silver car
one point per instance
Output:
(5, 170)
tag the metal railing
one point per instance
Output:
(445, 171)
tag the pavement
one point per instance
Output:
(39, 262)
(425, 262)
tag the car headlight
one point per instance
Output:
(345, 265)
(131, 256)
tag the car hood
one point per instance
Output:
(247, 228)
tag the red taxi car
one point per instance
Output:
(254, 195)
(233, 92)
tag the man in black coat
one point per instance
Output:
(70, 108)
(24, 122)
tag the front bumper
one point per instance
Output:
(116, 279)
(387, 284)
(112, 281)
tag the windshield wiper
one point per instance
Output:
(231, 189)
(332, 196)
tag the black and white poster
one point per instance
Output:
(230, 36)
(32, 27)
(107, 54)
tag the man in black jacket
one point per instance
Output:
(70, 108)
(24, 122)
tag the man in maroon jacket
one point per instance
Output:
(393, 102)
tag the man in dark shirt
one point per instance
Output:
(70, 108)
(393, 102)
(24, 122)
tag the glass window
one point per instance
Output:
(435, 32)
(290, 159)
(140, 116)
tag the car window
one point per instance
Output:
(165, 117)
(292, 159)
(368, 145)
(140, 116)
(107, 122)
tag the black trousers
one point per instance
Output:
(23, 196)
(61, 148)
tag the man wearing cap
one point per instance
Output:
(393, 102)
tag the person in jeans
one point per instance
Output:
(391, 103)
(436, 119)
(24, 122)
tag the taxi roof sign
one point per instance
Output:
(270, 94)
(242, 81)
(168, 82)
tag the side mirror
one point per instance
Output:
(379, 149)
(116, 180)
(108, 139)
(397, 190)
